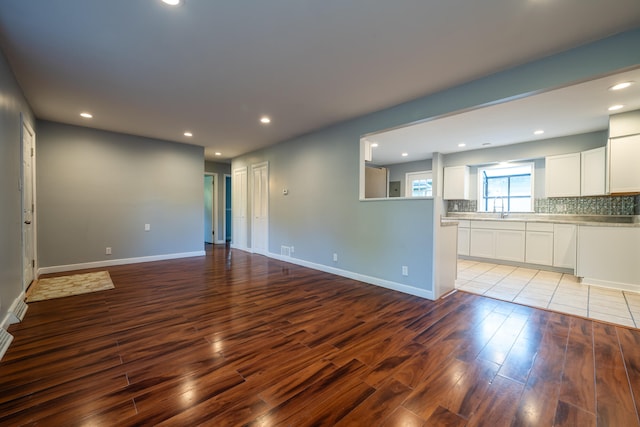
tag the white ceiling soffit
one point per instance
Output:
(215, 67)
(571, 110)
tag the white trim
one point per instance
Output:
(395, 286)
(10, 317)
(610, 285)
(122, 261)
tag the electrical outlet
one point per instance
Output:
(335, 257)
(107, 250)
(405, 270)
(147, 227)
(292, 249)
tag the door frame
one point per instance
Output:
(239, 199)
(214, 208)
(25, 125)
(255, 167)
(224, 204)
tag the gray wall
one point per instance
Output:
(322, 214)
(534, 150)
(12, 104)
(98, 189)
(221, 169)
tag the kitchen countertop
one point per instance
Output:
(589, 220)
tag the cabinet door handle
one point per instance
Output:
(27, 222)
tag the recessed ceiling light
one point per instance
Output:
(171, 2)
(620, 86)
(616, 107)
(405, 154)
(189, 134)
(265, 120)
(462, 144)
(538, 132)
(217, 153)
(374, 145)
(86, 115)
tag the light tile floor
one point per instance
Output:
(553, 291)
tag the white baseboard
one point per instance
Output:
(10, 318)
(122, 261)
(395, 286)
(611, 285)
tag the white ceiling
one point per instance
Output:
(214, 67)
(570, 110)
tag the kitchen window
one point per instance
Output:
(506, 188)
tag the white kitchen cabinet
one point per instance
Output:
(497, 240)
(624, 173)
(510, 245)
(562, 175)
(463, 238)
(593, 172)
(456, 183)
(608, 256)
(539, 243)
(564, 245)
(482, 243)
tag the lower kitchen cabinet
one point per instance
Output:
(564, 245)
(497, 240)
(463, 239)
(608, 256)
(510, 245)
(539, 248)
(482, 243)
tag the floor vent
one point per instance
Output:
(16, 315)
(20, 310)
(5, 341)
(285, 251)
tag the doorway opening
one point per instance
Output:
(227, 208)
(210, 208)
(27, 188)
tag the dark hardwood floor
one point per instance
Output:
(237, 339)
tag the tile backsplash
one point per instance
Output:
(598, 205)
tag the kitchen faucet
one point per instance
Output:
(503, 214)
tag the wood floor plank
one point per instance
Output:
(578, 379)
(499, 403)
(568, 415)
(614, 402)
(232, 338)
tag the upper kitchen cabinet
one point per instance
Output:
(562, 176)
(456, 183)
(624, 152)
(576, 174)
(593, 172)
(624, 158)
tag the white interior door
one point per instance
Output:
(260, 208)
(239, 208)
(28, 217)
(419, 184)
